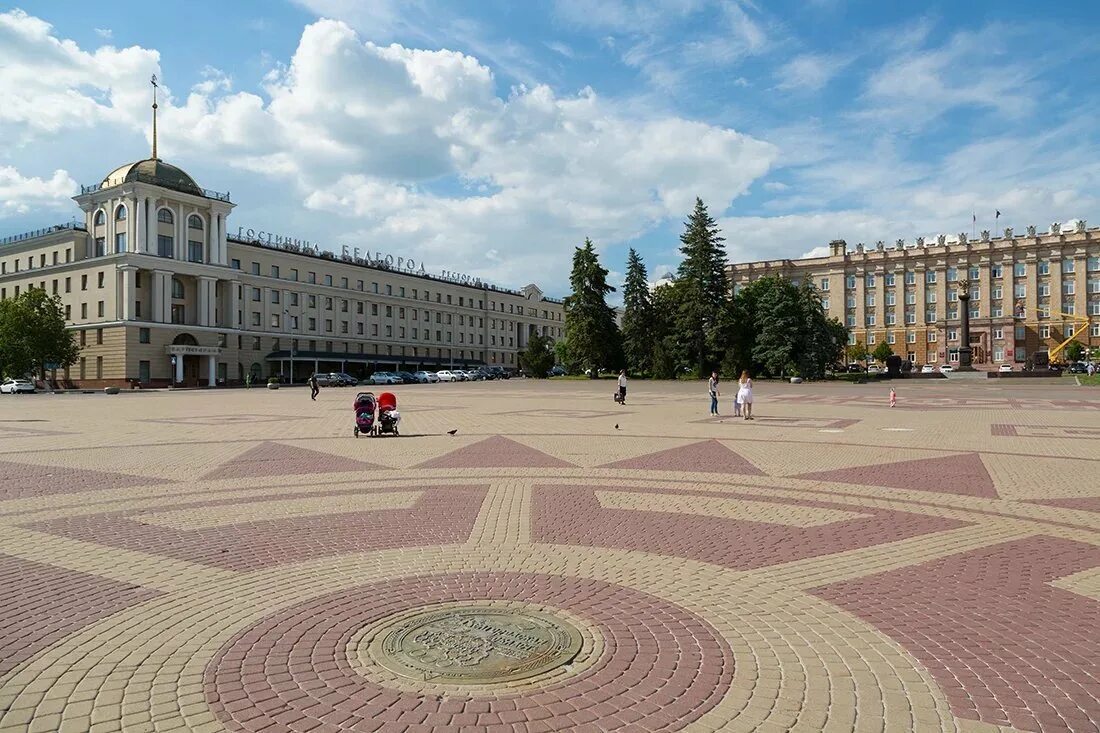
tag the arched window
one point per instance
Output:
(177, 289)
(165, 216)
(120, 213)
(194, 222)
(100, 219)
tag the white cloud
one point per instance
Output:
(809, 71)
(104, 33)
(21, 194)
(415, 149)
(775, 186)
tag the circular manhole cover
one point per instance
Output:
(473, 645)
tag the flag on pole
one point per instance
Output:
(974, 218)
(998, 216)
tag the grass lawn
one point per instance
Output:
(1093, 381)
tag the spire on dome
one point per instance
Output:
(153, 81)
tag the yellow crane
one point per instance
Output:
(1082, 326)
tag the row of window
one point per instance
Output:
(55, 256)
(1019, 334)
(1019, 269)
(164, 216)
(400, 291)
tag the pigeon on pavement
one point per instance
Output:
(452, 432)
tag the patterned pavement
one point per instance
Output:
(219, 561)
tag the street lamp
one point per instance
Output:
(964, 350)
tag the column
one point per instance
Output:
(212, 370)
(126, 292)
(224, 245)
(201, 301)
(151, 226)
(213, 243)
(138, 240)
(210, 302)
(156, 298)
(165, 303)
(234, 303)
(179, 368)
(181, 234)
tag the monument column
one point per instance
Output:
(964, 306)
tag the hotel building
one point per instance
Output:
(1028, 292)
(159, 291)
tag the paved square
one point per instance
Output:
(209, 561)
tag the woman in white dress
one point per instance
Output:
(744, 394)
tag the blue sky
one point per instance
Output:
(492, 137)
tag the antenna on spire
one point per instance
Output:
(153, 81)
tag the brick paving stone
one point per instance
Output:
(833, 565)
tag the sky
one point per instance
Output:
(492, 137)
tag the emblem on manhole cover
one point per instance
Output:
(474, 645)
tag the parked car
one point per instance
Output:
(946, 368)
(406, 377)
(343, 379)
(17, 386)
(855, 368)
(498, 372)
(1078, 367)
(559, 371)
(461, 375)
(874, 369)
(475, 375)
(487, 374)
(425, 377)
(927, 369)
(446, 375)
(326, 379)
(384, 378)
(1004, 368)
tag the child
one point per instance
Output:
(737, 404)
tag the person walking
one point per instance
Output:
(744, 394)
(622, 387)
(314, 388)
(248, 380)
(712, 387)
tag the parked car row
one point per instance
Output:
(444, 375)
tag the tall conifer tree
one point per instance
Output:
(637, 328)
(590, 329)
(704, 287)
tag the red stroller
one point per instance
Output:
(388, 416)
(365, 406)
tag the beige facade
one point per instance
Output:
(159, 292)
(1028, 293)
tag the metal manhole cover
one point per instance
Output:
(475, 645)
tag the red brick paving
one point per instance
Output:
(1005, 646)
(278, 459)
(707, 456)
(661, 668)
(573, 515)
(963, 474)
(496, 452)
(444, 515)
(40, 604)
(24, 480)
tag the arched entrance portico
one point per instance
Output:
(187, 357)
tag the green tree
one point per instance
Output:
(33, 334)
(1074, 351)
(856, 351)
(704, 287)
(779, 325)
(538, 357)
(590, 327)
(563, 356)
(637, 317)
(822, 339)
(882, 352)
(664, 305)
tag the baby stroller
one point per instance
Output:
(365, 407)
(388, 416)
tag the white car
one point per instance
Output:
(446, 375)
(1004, 368)
(927, 369)
(384, 378)
(460, 376)
(946, 368)
(874, 369)
(15, 386)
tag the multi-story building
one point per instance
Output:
(1028, 293)
(159, 291)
